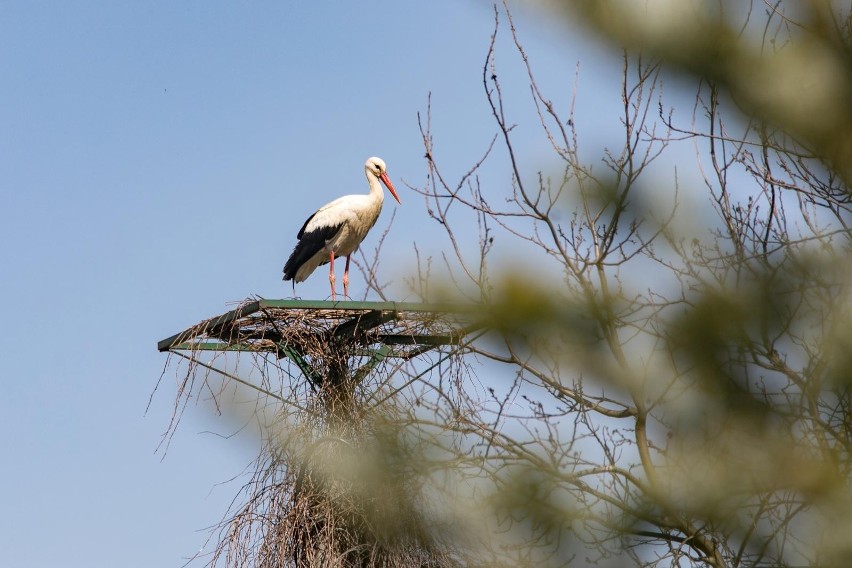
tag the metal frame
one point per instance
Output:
(399, 329)
(376, 330)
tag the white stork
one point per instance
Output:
(338, 228)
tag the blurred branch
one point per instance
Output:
(793, 73)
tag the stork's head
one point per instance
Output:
(376, 167)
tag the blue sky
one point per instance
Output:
(156, 161)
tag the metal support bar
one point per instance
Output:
(381, 306)
(211, 326)
(362, 322)
(309, 372)
(377, 357)
(249, 384)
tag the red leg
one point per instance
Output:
(346, 279)
(331, 274)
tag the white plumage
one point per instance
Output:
(338, 228)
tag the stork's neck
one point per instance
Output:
(377, 191)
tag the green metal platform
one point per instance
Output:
(398, 329)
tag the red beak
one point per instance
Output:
(386, 180)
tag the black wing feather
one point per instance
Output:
(309, 244)
(302, 230)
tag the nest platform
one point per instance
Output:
(300, 329)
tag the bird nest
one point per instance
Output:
(315, 497)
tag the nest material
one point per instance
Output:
(333, 509)
(318, 328)
(324, 491)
